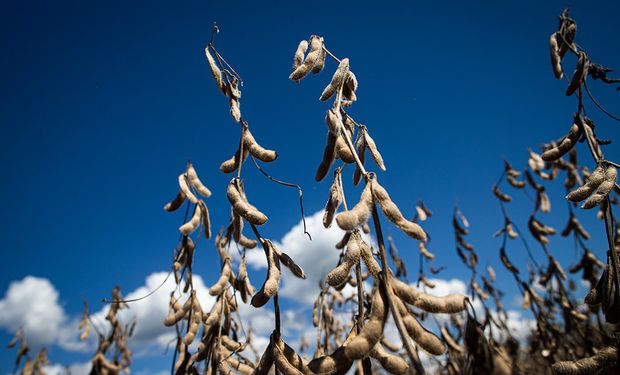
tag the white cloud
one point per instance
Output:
(32, 303)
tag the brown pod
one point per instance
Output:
(361, 150)
(206, 220)
(185, 188)
(235, 109)
(193, 224)
(342, 149)
(592, 182)
(300, 53)
(424, 251)
(329, 154)
(391, 363)
(215, 71)
(579, 75)
(220, 286)
(333, 202)
(369, 260)
(194, 323)
(195, 181)
(242, 207)
(556, 60)
(175, 203)
(337, 80)
(316, 45)
(361, 345)
(257, 150)
(177, 311)
(449, 304)
(515, 183)
(359, 214)
(320, 62)
(232, 164)
(391, 211)
(340, 274)
(556, 152)
(501, 196)
(603, 190)
(604, 358)
(372, 147)
(288, 261)
(350, 87)
(270, 286)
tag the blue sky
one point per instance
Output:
(103, 104)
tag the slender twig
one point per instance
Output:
(596, 103)
(299, 189)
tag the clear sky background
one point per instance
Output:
(103, 103)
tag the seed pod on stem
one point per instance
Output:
(241, 206)
(255, 149)
(316, 46)
(359, 214)
(340, 274)
(329, 154)
(195, 181)
(371, 333)
(215, 71)
(300, 53)
(270, 286)
(372, 147)
(337, 80)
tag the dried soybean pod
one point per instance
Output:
(185, 188)
(343, 242)
(391, 363)
(337, 80)
(242, 207)
(604, 358)
(592, 182)
(579, 75)
(300, 53)
(423, 337)
(350, 86)
(369, 260)
(175, 203)
(424, 251)
(343, 151)
(361, 150)
(235, 109)
(320, 62)
(565, 145)
(220, 286)
(246, 242)
(194, 324)
(501, 196)
(270, 286)
(195, 181)
(391, 211)
(316, 45)
(340, 274)
(193, 223)
(450, 341)
(359, 214)
(237, 225)
(334, 200)
(372, 331)
(255, 149)
(206, 221)
(448, 304)
(603, 189)
(177, 312)
(232, 164)
(288, 261)
(372, 147)
(266, 361)
(329, 154)
(556, 60)
(515, 183)
(215, 71)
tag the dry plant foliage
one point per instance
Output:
(569, 337)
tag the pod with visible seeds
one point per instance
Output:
(193, 223)
(423, 337)
(215, 71)
(255, 149)
(372, 148)
(270, 286)
(603, 189)
(424, 251)
(556, 152)
(515, 183)
(334, 201)
(177, 311)
(448, 304)
(391, 211)
(242, 207)
(232, 164)
(194, 323)
(372, 331)
(350, 87)
(337, 80)
(300, 53)
(359, 214)
(176, 202)
(343, 242)
(392, 363)
(580, 73)
(235, 109)
(316, 46)
(592, 182)
(556, 60)
(339, 275)
(329, 154)
(343, 152)
(369, 260)
(220, 286)
(595, 364)
(206, 220)
(195, 181)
